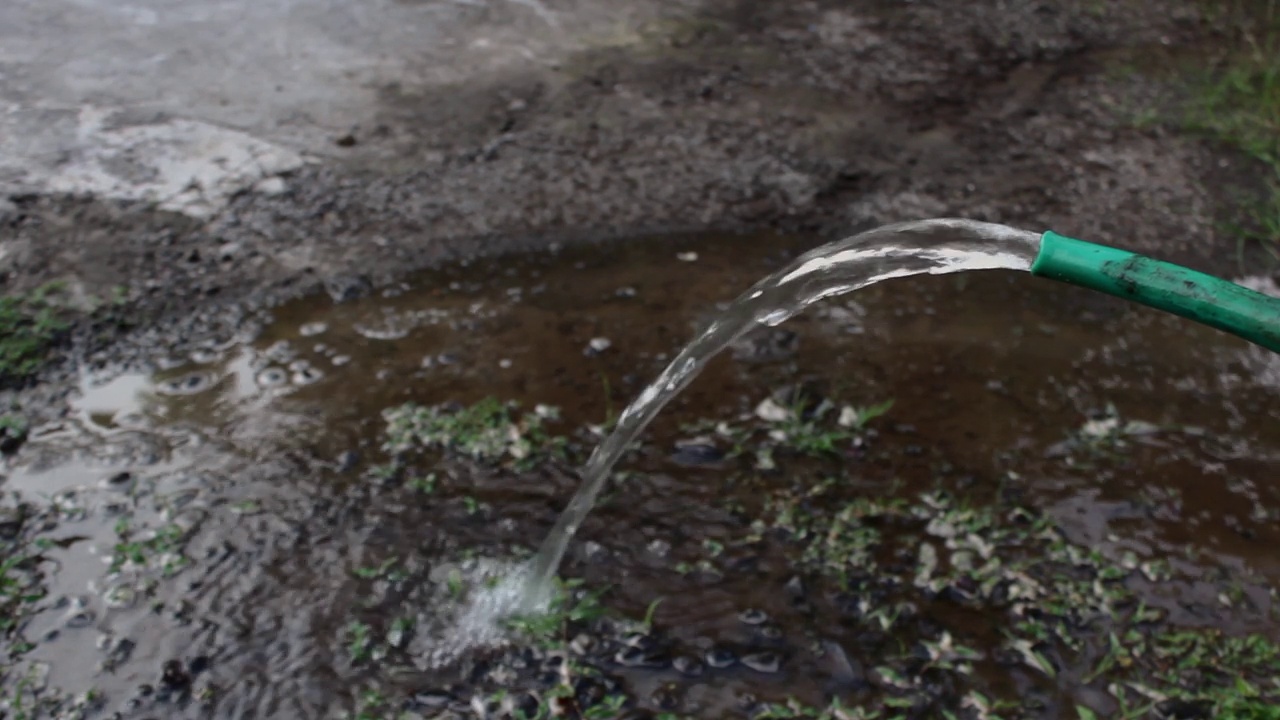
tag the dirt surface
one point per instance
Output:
(270, 528)
(809, 116)
(226, 534)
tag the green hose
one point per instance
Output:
(1165, 286)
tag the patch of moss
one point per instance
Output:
(1238, 103)
(29, 326)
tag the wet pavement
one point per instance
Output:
(234, 511)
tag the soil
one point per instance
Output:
(222, 513)
(745, 116)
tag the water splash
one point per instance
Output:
(893, 251)
(467, 606)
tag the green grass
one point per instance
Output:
(489, 431)
(1238, 104)
(29, 326)
(161, 547)
(571, 604)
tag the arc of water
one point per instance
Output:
(892, 251)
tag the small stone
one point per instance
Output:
(659, 547)
(119, 481)
(753, 617)
(271, 186)
(687, 257)
(843, 669)
(343, 288)
(770, 411)
(432, 699)
(589, 691)
(80, 619)
(720, 658)
(228, 251)
(640, 640)
(770, 632)
(119, 651)
(527, 705)
(10, 523)
(597, 346)
(794, 586)
(12, 436)
(554, 661)
(1184, 710)
(593, 551)
(696, 454)
(582, 644)
(763, 662)
(665, 697)
(312, 329)
(688, 666)
(173, 676)
(348, 460)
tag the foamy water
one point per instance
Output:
(468, 606)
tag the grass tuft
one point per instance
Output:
(1238, 104)
(29, 325)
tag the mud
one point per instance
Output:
(235, 512)
(748, 116)
(209, 527)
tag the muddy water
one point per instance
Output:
(253, 461)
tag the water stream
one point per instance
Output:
(893, 251)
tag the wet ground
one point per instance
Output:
(278, 148)
(215, 515)
(1065, 501)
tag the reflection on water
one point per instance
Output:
(234, 484)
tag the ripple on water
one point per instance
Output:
(273, 377)
(188, 384)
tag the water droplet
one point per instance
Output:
(774, 318)
(312, 329)
(272, 377)
(307, 376)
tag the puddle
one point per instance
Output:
(233, 511)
